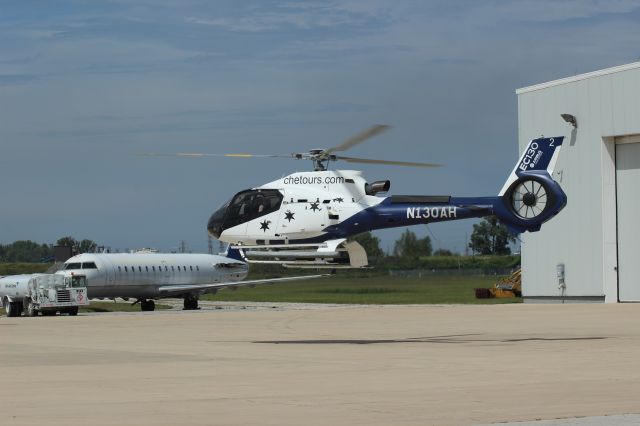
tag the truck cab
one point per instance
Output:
(49, 294)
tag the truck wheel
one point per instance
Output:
(73, 311)
(31, 309)
(12, 309)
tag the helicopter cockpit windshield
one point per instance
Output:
(243, 207)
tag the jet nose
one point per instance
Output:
(215, 222)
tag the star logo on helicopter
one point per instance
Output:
(314, 206)
(265, 225)
(289, 215)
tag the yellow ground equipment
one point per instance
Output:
(507, 287)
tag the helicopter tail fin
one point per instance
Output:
(540, 155)
(530, 196)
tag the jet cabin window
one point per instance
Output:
(72, 266)
(248, 205)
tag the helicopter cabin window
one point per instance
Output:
(251, 204)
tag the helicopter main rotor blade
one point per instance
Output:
(390, 162)
(202, 154)
(358, 138)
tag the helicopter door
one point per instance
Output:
(264, 214)
(303, 219)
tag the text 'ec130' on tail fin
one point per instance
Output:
(540, 155)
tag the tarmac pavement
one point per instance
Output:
(336, 365)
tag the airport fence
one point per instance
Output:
(420, 273)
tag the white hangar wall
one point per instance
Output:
(585, 237)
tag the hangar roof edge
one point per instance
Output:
(578, 77)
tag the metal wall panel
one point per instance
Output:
(628, 208)
(583, 235)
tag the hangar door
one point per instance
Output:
(628, 210)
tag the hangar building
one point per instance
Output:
(591, 250)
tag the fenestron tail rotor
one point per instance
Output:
(319, 157)
(529, 199)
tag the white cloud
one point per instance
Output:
(38, 33)
(550, 10)
(301, 16)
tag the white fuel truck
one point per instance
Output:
(45, 293)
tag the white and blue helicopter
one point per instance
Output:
(305, 219)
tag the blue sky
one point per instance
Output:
(85, 85)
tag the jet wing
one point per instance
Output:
(168, 290)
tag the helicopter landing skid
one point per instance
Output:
(331, 254)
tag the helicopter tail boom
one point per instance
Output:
(529, 198)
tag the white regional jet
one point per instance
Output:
(148, 276)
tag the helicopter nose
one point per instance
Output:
(215, 223)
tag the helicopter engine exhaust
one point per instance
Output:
(377, 187)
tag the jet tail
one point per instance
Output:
(234, 253)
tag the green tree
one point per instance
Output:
(491, 237)
(67, 242)
(25, 251)
(411, 247)
(87, 246)
(370, 243)
(443, 252)
(84, 246)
